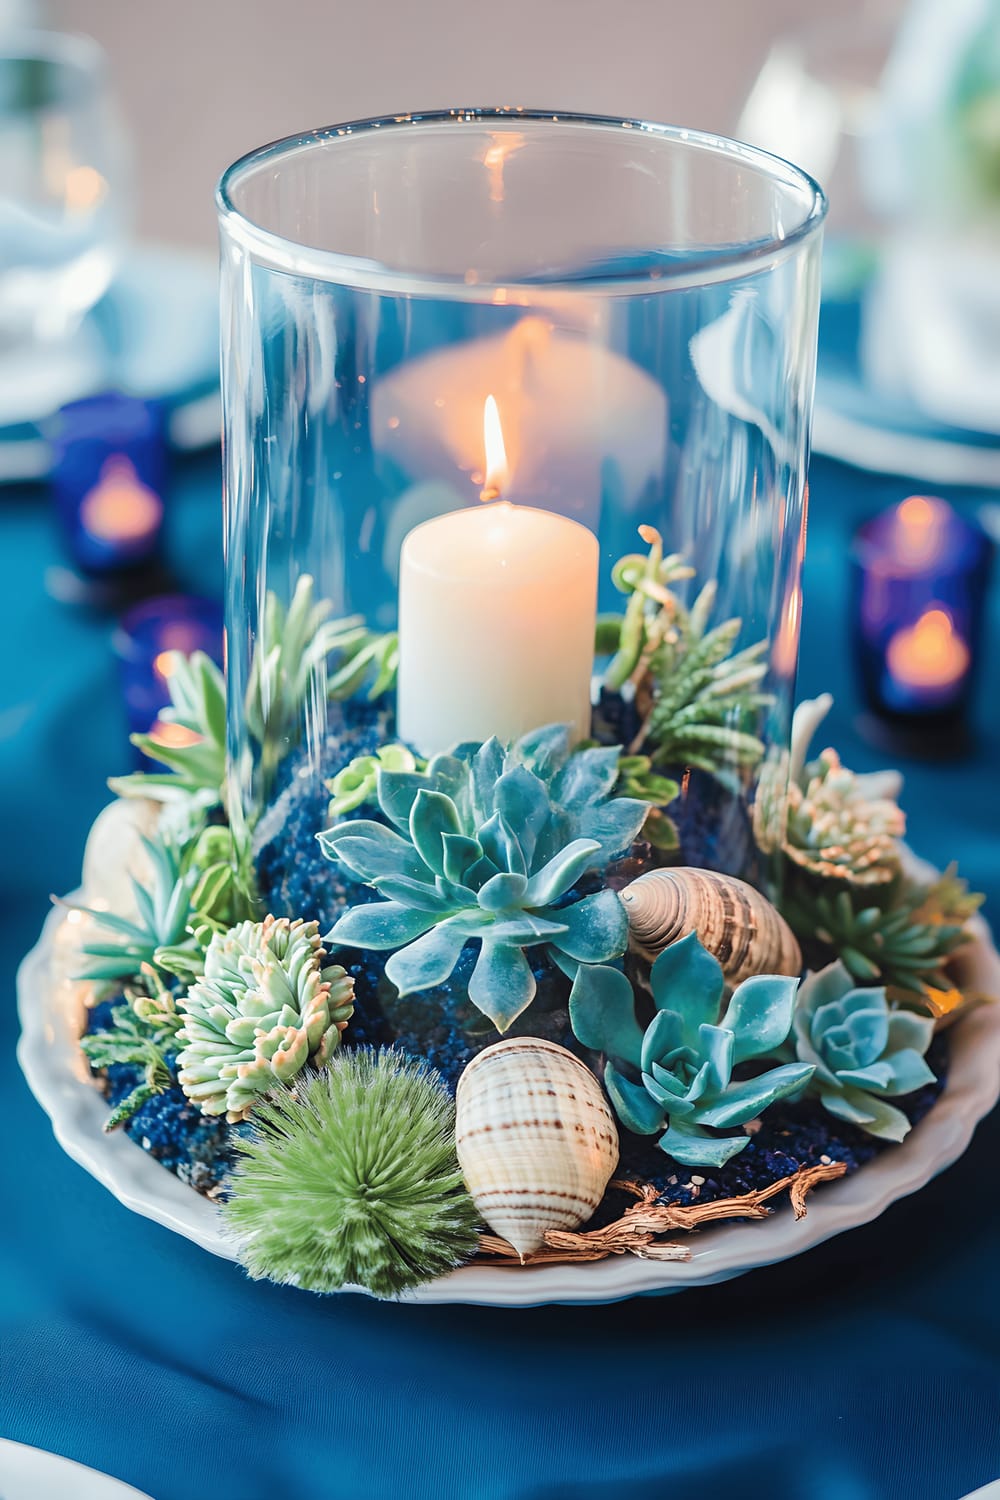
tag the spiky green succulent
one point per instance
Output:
(139, 1038)
(301, 650)
(490, 844)
(161, 940)
(902, 936)
(699, 698)
(197, 704)
(352, 1180)
(296, 648)
(678, 1071)
(357, 783)
(192, 890)
(863, 1052)
(266, 1006)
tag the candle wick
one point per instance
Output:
(490, 492)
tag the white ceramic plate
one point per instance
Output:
(32, 1474)
(51, 1020)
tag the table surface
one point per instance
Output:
(866, 1370)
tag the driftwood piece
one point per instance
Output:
(637, 1231)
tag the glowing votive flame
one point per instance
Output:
(930, 653)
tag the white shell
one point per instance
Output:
(114, 852)
(537, 1142)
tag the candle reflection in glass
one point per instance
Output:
(920, 577)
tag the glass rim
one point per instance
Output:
(281, 253)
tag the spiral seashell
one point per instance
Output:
(536, 1140)
(732, 920)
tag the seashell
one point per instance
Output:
(536, 1140)
(732, 920)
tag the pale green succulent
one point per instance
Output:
(698, 698)
(267, 1006)
(197, 703)
(864, 1053)
(680, 1067)
(296, 648)
(489, 844)
(160, 940)
(357, 783)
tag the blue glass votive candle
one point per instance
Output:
(920, 574)
(143, 643)
(108, 477)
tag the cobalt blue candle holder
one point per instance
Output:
(920, 575)
(109, 474)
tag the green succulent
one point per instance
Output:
(351, 1179)
(139, 1039)
(837, 831)
(357, 783)
(637, 778)
(489, 844)
(160, 941)
(680, 1068)
(699, 697)
(293, 652)
(197, 703)
(267, 1006)
(863, 1052)
(902, 935)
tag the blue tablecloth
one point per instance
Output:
(866, 1370)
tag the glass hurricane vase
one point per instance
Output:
(471, 361)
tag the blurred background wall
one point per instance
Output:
(202, 81)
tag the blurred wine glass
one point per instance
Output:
(63, 190)
(814, 103)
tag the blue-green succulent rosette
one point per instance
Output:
(679, 1072)
(494, 844)
(864, 1053)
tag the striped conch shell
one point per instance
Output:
(536, 1140)
(732, 920)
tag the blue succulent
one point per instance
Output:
(682, 1063)
(490, 843)
(864, 1052)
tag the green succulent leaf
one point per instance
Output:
(634, 1105)
(760, 1014)
(691, 1146)
(688, 979)
(602, 1013)
(744, 1101)
(502, 984)
(380, 925)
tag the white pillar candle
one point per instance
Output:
(497, 606)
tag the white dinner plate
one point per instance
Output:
(32, 1474)
(49, 1055)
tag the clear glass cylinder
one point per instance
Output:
(640, 302)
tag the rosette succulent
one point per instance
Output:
(267, 1006)
(838, 830)
(678, 1071)
(490, 844)
(864, 1053)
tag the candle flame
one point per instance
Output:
(931, 653)
(497, 473)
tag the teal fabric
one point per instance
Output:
(866, 1370)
